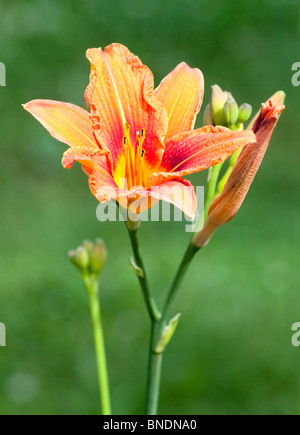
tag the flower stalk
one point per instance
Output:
(92, 287)
(89, 260)
(155, 356)
(154, 373)
(158, 320)
(139, 269)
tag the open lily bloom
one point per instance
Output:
(137, 142)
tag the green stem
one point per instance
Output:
(158, 321)
(231, 165)
(142, 277)
(92, 287)
(154, 374)
(155, 359)
(211, 187)
(181, 272)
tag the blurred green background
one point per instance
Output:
(232, 353)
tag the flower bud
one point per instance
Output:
(137, 270)
(207, 118)
(80, 258)
(98, 256)
(226, 205)
(167, 334)
(231, 111)
(245, 111)
(217, 101)
(89, 258)
(88, 245)
(277, 100)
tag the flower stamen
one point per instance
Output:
(131, 165)
(140, 152)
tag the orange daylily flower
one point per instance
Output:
(226, 205)
(137, 141)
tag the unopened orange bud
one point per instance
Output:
(226, 205)
(277, 99)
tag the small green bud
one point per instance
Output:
(137, 270)
(98, 256)
(231, 111)
(245, 111)
(167, 334)
(88, 245)
(207, 118)
(238, 127)
(217, 101)
(72, 256)
(80, 258)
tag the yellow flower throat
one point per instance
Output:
(129, 170)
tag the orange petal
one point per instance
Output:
(137, 196)
(87, 157)
(66, 122)
(181, 93)
(100, 180)
(198, 150)
(121, 91)
(94, 164)
(178, 192)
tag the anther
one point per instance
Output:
(125, 145)
(126, 129)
